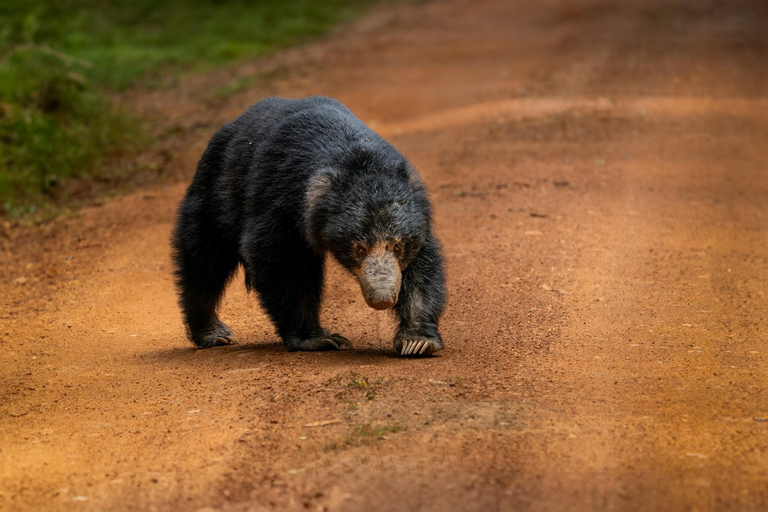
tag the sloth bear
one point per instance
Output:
(278, 188)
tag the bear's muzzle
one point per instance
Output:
(379, 276)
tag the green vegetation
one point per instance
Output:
(362, 384)
(365, 434)
(59, 59)
(367, 431)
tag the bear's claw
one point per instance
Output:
(322, 342)
(223, 341)
(417, 346)
(342, 341)
(217, 335)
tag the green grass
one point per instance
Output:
(59, 58)
(365, 434)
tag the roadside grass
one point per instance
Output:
(59, 60)
(365, 434)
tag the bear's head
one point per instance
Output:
(373, 219)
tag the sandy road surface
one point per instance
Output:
(599, 172)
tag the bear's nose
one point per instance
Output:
(382, 303)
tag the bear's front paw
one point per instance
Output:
(217, 335)
(321, 342)
(417, 345)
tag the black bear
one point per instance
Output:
(278, 188)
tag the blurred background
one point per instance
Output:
(64, 63)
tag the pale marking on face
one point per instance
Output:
(379, 272)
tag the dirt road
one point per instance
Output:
(600, 181)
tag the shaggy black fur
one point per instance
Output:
(277, 188)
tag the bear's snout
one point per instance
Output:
(379, 277)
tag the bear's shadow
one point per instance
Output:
(274, 352)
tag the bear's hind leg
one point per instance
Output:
(204, 265)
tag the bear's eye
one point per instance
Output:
(361, 251)
(397, 248)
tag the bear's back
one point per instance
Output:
(262, 120)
